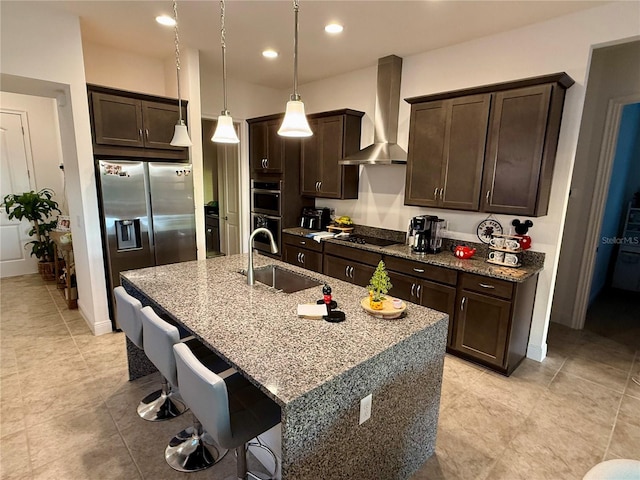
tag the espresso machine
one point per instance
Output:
(425, 234)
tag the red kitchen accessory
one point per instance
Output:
(462, 251)
(525, 241)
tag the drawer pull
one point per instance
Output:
(464, 300)
(419, 270)
(484, 285)
(302, 242)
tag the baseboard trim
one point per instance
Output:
(537, 352)
(102, 328)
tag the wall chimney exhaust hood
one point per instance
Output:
(384, 150)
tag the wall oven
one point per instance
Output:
(271, 223)
(266, 197)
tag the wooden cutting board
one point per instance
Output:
(388, 310)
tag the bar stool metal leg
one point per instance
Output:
(161, 405)
(242, 469)
(193, 449)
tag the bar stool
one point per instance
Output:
(192, 449)
(161, 404)
(232, 410)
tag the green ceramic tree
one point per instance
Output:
(380, 283)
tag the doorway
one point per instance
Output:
(221, 181)
(614, 301)
(613, 83)
(17, 168)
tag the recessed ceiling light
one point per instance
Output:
(165, 20)
(333, 28)
(270, 53)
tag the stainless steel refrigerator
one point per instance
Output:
(148, 216)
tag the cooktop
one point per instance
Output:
(364, 239)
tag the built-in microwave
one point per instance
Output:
(266, 197)
(261, 241)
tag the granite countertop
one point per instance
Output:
(534, 261)
(257, 329)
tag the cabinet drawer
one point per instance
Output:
(347, 270)
(486, 285)
(421, 270)
(301, 242)
(352, 253)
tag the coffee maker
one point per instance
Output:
(425, 234)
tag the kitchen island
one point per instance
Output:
(316, 371)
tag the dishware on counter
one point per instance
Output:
(496, 256)
(497, 242)
(388, 310)
(511, 244)
(424, 234)
(511, 258)
(463, 251)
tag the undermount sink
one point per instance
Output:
(283, 279)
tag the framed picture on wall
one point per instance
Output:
(64, 223)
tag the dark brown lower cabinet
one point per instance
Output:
(492, 320)
(302, 252)
(302, 257)
(481, 327)
(426, 293)
(348, 270)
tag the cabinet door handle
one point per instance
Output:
(488, 194)
(351, 269)
(208, 230)
(486, 285)
(435, 193)
(419, 270)
(413, 288)
(140, 132)
(319, 186)
(146, 131)
(346, 271)
(418, 290)
(441, 193)
(464, 300)
(266, 163)
(298, 257)
(302, 257)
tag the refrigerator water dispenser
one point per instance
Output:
(128, 234)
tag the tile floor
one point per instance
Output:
(67, 411)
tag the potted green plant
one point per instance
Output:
(36, 207)
(379, 285)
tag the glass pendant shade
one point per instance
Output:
(295, 122)
(181, 135)
(225, 133)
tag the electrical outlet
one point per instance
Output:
(365, 408)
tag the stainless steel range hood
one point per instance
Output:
(384, 150)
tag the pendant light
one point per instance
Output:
(295, 122)
(180, 134)
(225, 133)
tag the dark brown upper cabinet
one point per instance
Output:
(129, 122)
(446, 152)
(489, 149)
(336, 134)
(266, 147)
(132, 124)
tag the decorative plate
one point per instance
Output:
(487, 228)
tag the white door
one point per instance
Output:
(229, 195)
(15, 155)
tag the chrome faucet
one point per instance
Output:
(274, 249)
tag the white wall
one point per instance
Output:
(41, 53)
(114, 68)
(44, 132)
(561, 44)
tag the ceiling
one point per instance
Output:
(372, 29)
